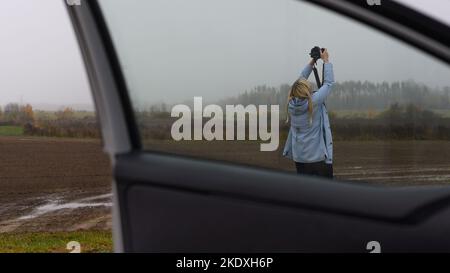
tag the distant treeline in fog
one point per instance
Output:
(63, 123)
(355, 95)
(398, 122)
(399, 110)
(402, 110)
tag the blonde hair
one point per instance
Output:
(302, 89)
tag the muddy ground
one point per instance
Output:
(50, 184)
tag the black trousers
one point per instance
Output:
(317, 169)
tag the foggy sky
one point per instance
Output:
(40, 61)
(174, 50)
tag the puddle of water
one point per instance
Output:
(367, 173)
(53, 206)
(422, 178)
(103, 196)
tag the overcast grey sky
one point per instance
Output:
(39, 58)
(173, 50)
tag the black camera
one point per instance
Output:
(315, 52)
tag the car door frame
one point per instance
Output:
(113, 106)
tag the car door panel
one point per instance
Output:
(234, 209)
(162, 220)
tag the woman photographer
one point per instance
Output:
(309, 143)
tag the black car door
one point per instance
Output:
(166, 202)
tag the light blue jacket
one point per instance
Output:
(311, 142)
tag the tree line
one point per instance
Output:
(398, 122)
(62, 123)
(403, 111)
(398, 110)
(355, 95)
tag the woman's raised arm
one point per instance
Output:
(324, 91)
(307, 70)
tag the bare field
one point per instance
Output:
(54, 185)
(50, 184)
(395, 163)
